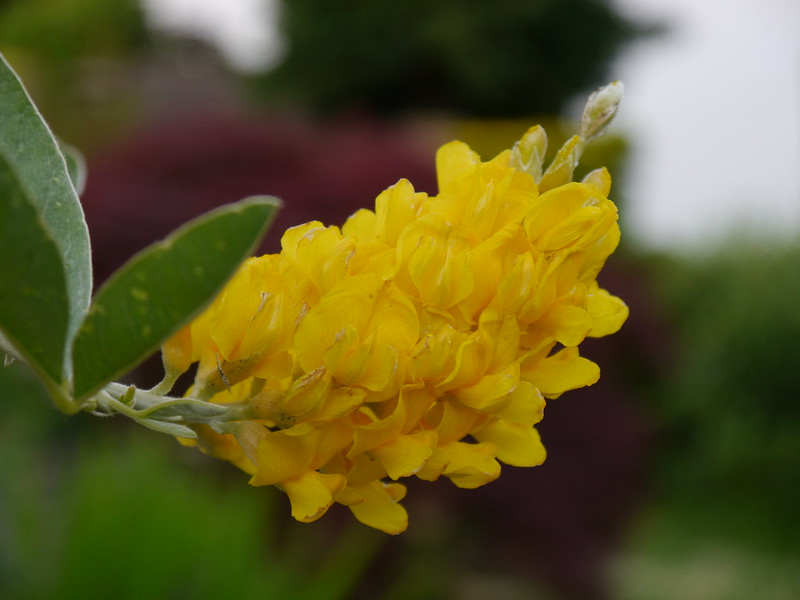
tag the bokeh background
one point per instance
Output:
(676, 476)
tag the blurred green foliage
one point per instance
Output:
(730, 413)
(61, 31)
(71, 55)
(725, 475)
(501, 58)
(111, 512)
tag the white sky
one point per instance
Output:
(243, 30)
(712, 110)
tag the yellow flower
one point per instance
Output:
(421, 339)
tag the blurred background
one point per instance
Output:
(676, 476)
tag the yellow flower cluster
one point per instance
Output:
(419, 339)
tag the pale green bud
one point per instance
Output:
(601, 107)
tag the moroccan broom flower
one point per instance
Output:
(420, 339)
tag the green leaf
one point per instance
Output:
(34, 311)
(32, 154)
(162, 288)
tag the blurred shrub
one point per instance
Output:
(500, 58)
(61, 31)
(71, 55)
(729, 414)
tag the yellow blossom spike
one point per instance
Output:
(420, 340)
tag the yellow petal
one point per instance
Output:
(435, 465)
(395, 208)
(472, 360)
(364, 469)
(380, 508)
(405, 454)
(324, 256)
(517, 285)
(608, 313)
(289, 453)
(436, 255)
(366, 303)
(471, 465)
(367, 437)
(504, 336)
(560, 170)
(292, 236)
(487, 270)
(475, 202)
(601, 179)
(285, 454)
(340, 401)
(454, 161)
(575, 214)
(224, 446)
(366, 363)
(573, 231)
(525, 405)
(417, 399)
(274, 366)
(312, 493)
(566, 324)
(348, 497)
(565, 370)
(363, 225)
(453, 421)
(432, 358)
(252, 316)
(306, 395)
(597, 255)
(239, 304)
(176, 353)
(517, 444)
(491, 391)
